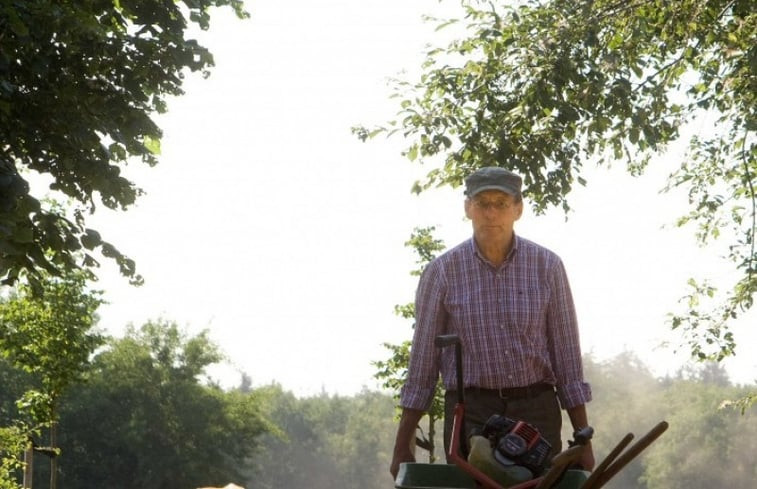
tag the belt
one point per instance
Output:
(526, 392)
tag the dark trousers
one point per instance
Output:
(541, 410)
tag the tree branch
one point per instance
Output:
(615, 9)
(750, 186)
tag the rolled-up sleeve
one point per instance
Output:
(564, 342)
(430, 321)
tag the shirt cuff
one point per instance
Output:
(416, 397)
(574, 394)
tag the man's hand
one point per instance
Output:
(587, 458)
(405, 438)
(579, 419)
(401, 455)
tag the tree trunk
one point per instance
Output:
(28, 465)
(53, 457)
(431, 434)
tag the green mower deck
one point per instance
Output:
(448, 476)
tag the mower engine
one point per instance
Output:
(517, 443)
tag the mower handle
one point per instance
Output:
(445, 340)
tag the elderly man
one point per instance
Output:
(509, 301)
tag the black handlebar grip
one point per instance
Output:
(446, 340)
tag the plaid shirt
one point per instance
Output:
(517, 324)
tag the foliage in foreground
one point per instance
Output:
(50, 337)
(79, 82)
(13, 442)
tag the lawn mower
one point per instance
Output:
(511, 454)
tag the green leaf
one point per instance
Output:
(18, 27)
(152, 145)
(412, 153)
(112, 64)
(91, 239)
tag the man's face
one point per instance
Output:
(493, 214)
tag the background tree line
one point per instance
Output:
(144, 414)
(336, 441)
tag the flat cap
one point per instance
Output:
(493, 178)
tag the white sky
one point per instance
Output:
(269, 224)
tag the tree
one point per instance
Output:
(14, 430)
(628, 400)
(79, 82)
(52, 337)
(393, 371)
(544, 86)
(289, 454)
(13, 441)
(147, 419)
(704, 447)
(362, 448)
(324, 441)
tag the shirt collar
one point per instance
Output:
(513, 250)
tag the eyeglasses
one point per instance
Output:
(497, 205)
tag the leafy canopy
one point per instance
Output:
(79, 82)
(52, 337)
(147, 416)
(544, 86)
